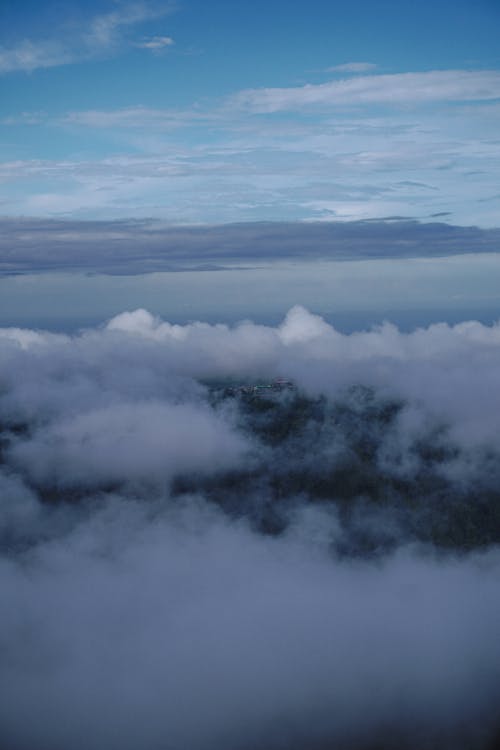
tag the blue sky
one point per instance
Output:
(216, 112)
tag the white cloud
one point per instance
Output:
(102, 36)
(105, 30)
(30, 55)
(352, 67)
(450, 371)
(214, 163)
(156, 43)
(395, 89)
(322, 359)
(148, 442)
(138, 117)
(145, 608)
(189, 631)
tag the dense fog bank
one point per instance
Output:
(249, 537)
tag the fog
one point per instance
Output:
(249, 537)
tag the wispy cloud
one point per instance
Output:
(212, 162)
(106, 30)
(29, 56)
(131, 117)
(352, 67)
(398, 88)
(102, 36)
(349, 167)
(156, 43)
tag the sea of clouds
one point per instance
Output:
(165, 586)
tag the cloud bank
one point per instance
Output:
(189, 560)
(131, 247)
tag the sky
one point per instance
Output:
(249, 140)
(249, 367)
(217, 112)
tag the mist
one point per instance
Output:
(250, 536)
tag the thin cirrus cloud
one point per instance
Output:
(376, 89)
(349, 160)
(134, 117)
(104, 34)
(352, 67)
(28, 56)
(398, 88)
(156, 43)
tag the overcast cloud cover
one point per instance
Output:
(163, 585)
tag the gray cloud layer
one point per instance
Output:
(130, 247)
(149, 601)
